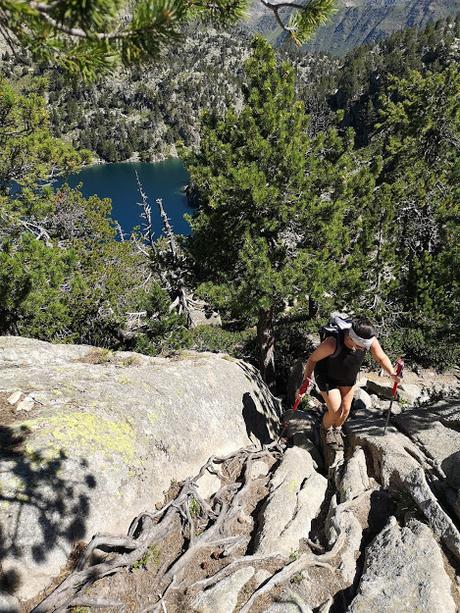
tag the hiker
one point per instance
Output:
(336, 363)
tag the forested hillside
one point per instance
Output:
(146, 111)
(319, 185)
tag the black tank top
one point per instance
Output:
(344, 368)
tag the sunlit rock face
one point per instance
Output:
(90, 438)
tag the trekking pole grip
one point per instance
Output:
(399, 367)
(302, 391)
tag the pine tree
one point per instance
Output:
(28, 152)
(420, 136)
(273, 203)
(62, 274)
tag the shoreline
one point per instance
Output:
(135, 158)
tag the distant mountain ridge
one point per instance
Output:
(359, 22)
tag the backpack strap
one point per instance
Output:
(338, 343)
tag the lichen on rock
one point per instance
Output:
(83, 432)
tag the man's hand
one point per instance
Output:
(395, 377)
(303, 389)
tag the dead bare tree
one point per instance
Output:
(147, 232)
(176, 273)
(169, 264)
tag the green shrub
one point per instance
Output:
(152, 555)
(436, 349)
(201, 338)
(218, 340)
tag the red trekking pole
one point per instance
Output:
(302, 391)
(399, 367)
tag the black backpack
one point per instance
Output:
(338, 322)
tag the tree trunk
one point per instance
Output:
(312, 308)
(266, 346)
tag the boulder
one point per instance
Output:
(105, 437)
(341, 520)
(201, 315)
(380, 386)
(433, 429)
(414, 388)
(409, 393)
(352, 529)
(222, 598)
(302, 427)
(362, 400)
(404, 571)
(14, 398)
(296, 494)
(399, 464)
(355, 479)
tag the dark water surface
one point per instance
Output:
(159, 180)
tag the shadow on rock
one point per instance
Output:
(40, 508)
(255, 422)
(269, 403)
(451, 468)
(411, 420)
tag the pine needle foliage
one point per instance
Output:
(273, 201)
(95, 36)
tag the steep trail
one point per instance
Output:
(292, 527)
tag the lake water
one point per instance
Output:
(164, 180)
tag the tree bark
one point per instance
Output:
(312, 308)
(266, 346)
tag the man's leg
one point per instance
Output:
(346, 395)
(333, 401)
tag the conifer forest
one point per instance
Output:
(319, 182)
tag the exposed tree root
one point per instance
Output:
(282, 576)
(205, 543)
(152, 528)
(97, 603)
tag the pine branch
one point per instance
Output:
(88, 41)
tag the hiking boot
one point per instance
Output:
(338, 437)
(330, 438)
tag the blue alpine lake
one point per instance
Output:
(164, 180)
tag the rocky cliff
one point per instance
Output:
(89, 439)
(359, 22)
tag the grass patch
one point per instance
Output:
(151, 556)
(194, 507)
(297, 579)
(97, 355)
(132, 360)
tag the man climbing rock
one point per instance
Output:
(336, 363)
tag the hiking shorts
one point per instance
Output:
(326, 385)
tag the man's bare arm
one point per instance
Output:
(381, 358)
(327, 348)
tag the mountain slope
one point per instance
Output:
(360, 21)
